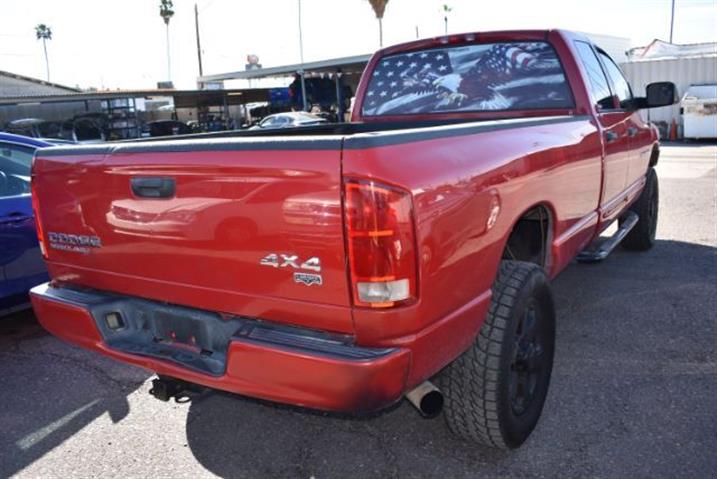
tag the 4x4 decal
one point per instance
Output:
(281, 260)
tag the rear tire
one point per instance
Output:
(496, 390)
(642, 236)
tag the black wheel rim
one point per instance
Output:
(528, 359)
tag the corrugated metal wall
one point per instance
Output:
(683, 72)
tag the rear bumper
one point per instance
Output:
(249, 357)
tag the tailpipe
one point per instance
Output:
(164, 388)
(427, 398)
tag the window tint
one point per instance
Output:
(20, 157)
(14, 177)
(619, 84)
(599, 89)
(486, 77)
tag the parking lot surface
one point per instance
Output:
(634, 389)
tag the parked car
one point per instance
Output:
(55, 132)
(39, 128)
(289, 120)
(167, 128)
(415, 243)
(21, 265)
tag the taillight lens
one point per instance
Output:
(381, 244)
(38, 223)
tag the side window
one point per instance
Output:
(619, 84)
(599, 89)
(19, 155)
(14, 178)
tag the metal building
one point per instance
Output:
(14, 85)
(684, 65)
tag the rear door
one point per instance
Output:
(243, 226)
(614, 123)
(21, 265)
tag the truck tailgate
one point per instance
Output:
(243, 226)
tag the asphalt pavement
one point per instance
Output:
(634, 390)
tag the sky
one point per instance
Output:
(122, 44)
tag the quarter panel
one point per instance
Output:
(453, 181)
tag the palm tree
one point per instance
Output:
(446, 11)
(379, 6)
(166, 11)
(43, 32)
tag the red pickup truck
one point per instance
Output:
(344, 266)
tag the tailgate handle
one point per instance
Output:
(153, 187)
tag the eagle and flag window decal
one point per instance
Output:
(485, 77)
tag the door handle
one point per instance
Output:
(13, 218)
(632, 132)
(153, 187)
(610, 136)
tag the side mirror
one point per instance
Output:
(661, 94)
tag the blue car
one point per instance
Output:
(21, 264)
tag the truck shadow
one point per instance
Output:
(51, 390)
(614, 319)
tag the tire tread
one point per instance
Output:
(471, 383)
(639, 238)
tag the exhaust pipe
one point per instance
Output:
(165, 389)
(427, 398)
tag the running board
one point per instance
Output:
(602, 251)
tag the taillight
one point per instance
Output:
(38, 223)
(381, 244)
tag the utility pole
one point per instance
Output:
(199, 45)
(672, 20)
(301, 53)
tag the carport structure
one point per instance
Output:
(62, 106)
(182, 98)
(344, 71)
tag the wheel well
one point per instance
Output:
(530, 238)
(655, 155)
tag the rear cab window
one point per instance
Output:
(501, 76)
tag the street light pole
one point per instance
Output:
(301, 53)
(199, 45)
(672, 20)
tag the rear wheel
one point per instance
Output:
(642, 236)
(496, 390)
